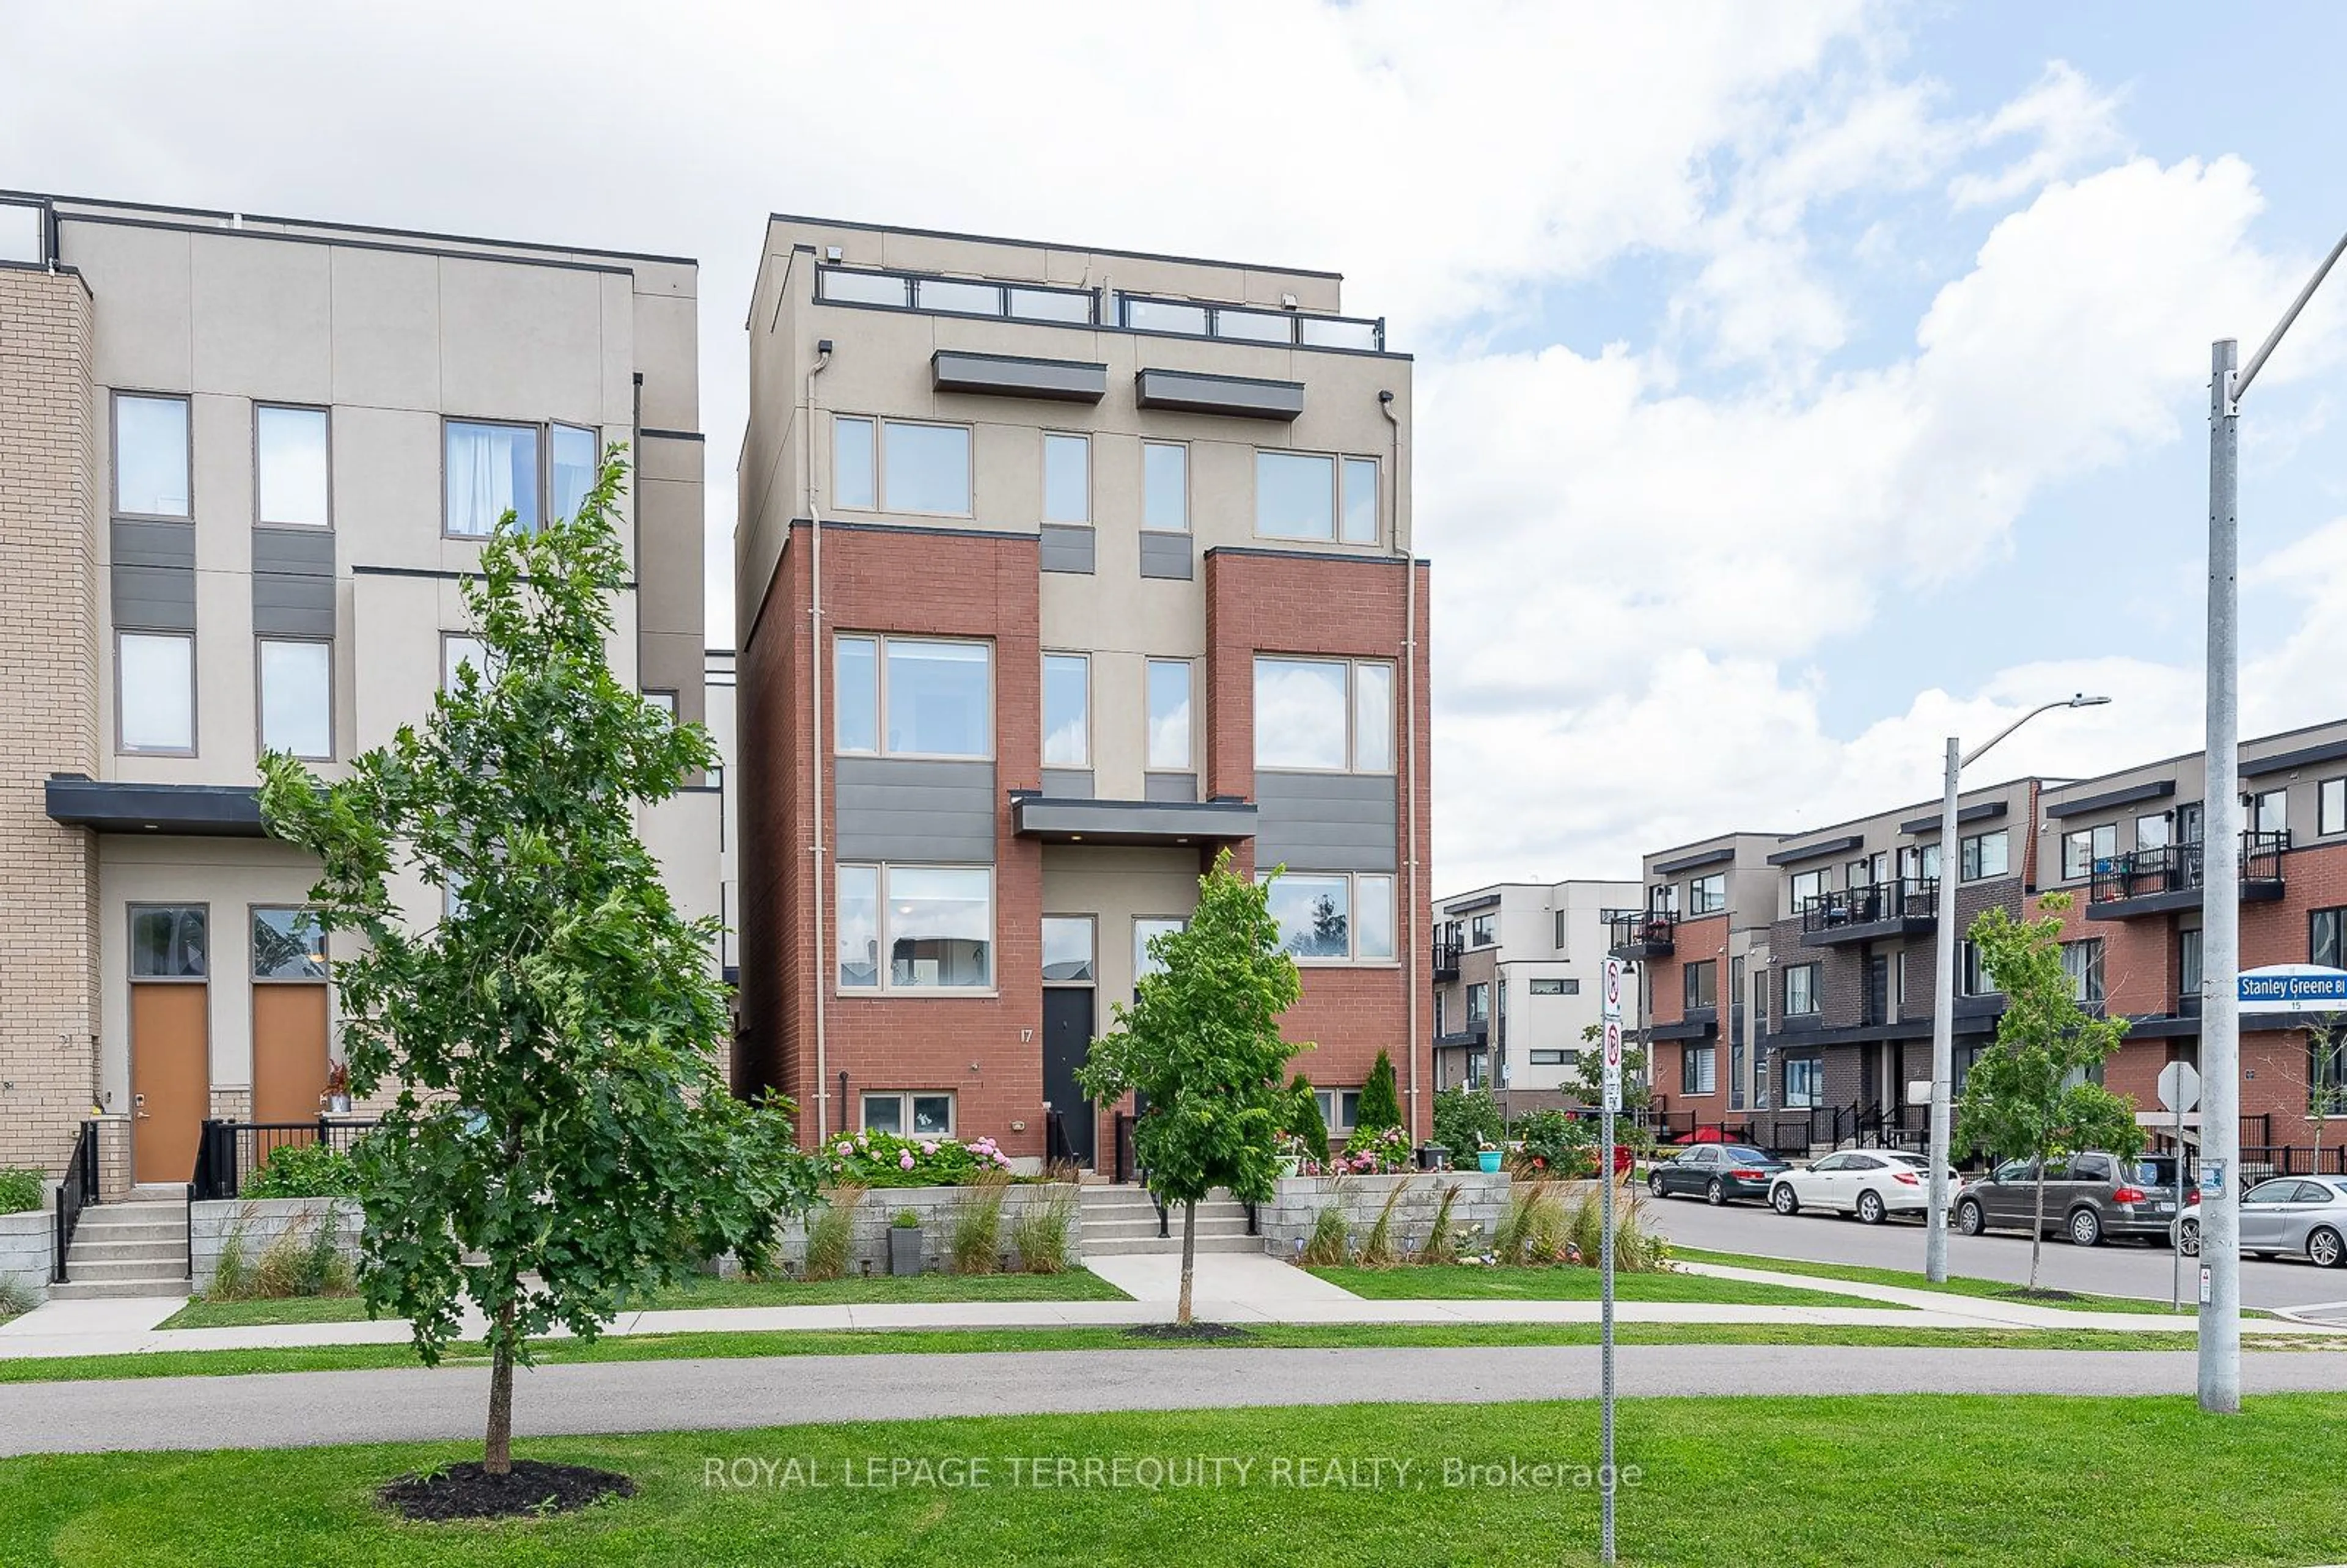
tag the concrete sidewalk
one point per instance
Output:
(1229, 1288)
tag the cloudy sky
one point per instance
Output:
(1796, 381)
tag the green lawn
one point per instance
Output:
(1805, 1480)
(951, 1341)
(1992, 1289)
(1568, 1282)
(1073, 1285)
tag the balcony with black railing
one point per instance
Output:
(1446, 961)
(1635, 934)
(2155, 881)
(1901, 906)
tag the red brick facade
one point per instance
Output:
(985, 1050)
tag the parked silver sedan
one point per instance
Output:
(2302, 1216)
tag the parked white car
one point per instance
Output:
(1872, 1183)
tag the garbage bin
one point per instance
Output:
(1433, 1156)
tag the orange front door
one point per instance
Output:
(170, 1079)
(288, 1051)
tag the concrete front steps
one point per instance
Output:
(1120, 1222)
(138, 1246)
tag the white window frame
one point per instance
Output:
(881, 641)
(881, 424)
(1333, 1104)
(1085, 760)
(1352, 666)
(881, 985)
(260, 694)
(904, 1099)
(1353, 958)
(195, 731)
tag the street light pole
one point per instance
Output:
(1943, 988)
(2220, 878)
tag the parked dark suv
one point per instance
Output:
(2088, 1196)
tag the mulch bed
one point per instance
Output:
(531, 1490)
(1179, 1333)
(2023, 1293)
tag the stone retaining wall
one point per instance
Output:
(261, 1221)
(27, 1242)
(937, 1207)
(1287, 1220)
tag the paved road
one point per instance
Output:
(312, 1407)
(2115, 1268)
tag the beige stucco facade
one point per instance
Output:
(389, 336)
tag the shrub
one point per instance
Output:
(1331, 1245)
(1554, 1144)
(231, 1281)
(1440, 1244)
(831, 1234)
(1039, 1235)
(885, 1159)
(1309, 1126)
(1466, 1118)
(21, 1191)
(974, 1246)
(1375, 1152)
(303, 1171)
(1532, 1229)
(303, 1259)
(906, 1220)
(1380, 1102)
(1378, 1250)
(14, 1300)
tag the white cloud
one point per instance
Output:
(2074, 127)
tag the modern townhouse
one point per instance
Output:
(1061, 569)
(2130, 847)
(1516, 969)
(247, 463)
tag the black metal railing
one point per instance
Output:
(75, 1193)
(2260, 1161)
(1638, 932)
(1898, 899)
(1446, 961)
(2182, 868)
(228, 1152)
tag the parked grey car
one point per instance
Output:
(2304, 1215)
(2088, 1196)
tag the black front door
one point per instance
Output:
(1067, 1038)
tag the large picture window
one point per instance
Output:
(1335, 917)
(297, 697)
(1983, 855)
(2087, 848)
(898, 466)
(289, 469)
(1708, 895)
(154, 691)
(492, 470)
(1331, 715)
(916, 928)
(1310, 496)
(901, 697)
(916, 1114)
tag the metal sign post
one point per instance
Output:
(1610, 1103)
(2180, 1091)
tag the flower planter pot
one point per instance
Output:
(904, 1249)
(1487, 1160)
(1288, 1165)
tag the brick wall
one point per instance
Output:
(48, 684)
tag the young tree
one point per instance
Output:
(2029, 1096)
(552, 1045)
(1588, 1083)
(1380, 1100)
(1304, 1118)
(1200, 1043)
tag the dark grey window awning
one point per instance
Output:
(1246, 397)
(1058, 820)
(1011, 375)
(114, 805)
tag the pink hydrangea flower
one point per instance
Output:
(846, 1150)
(905, 1160)
(928, 1148)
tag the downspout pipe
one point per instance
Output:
(817, 752)
(1412, 950)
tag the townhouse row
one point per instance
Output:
(1788, 978)
(1058, 571)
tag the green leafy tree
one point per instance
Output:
(1380, 1102)
(1201, 1044)
(559, 1137)
(1588, 1081)
(2030, 1095)
(1466, 1118)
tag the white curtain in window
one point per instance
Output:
(480, 479)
